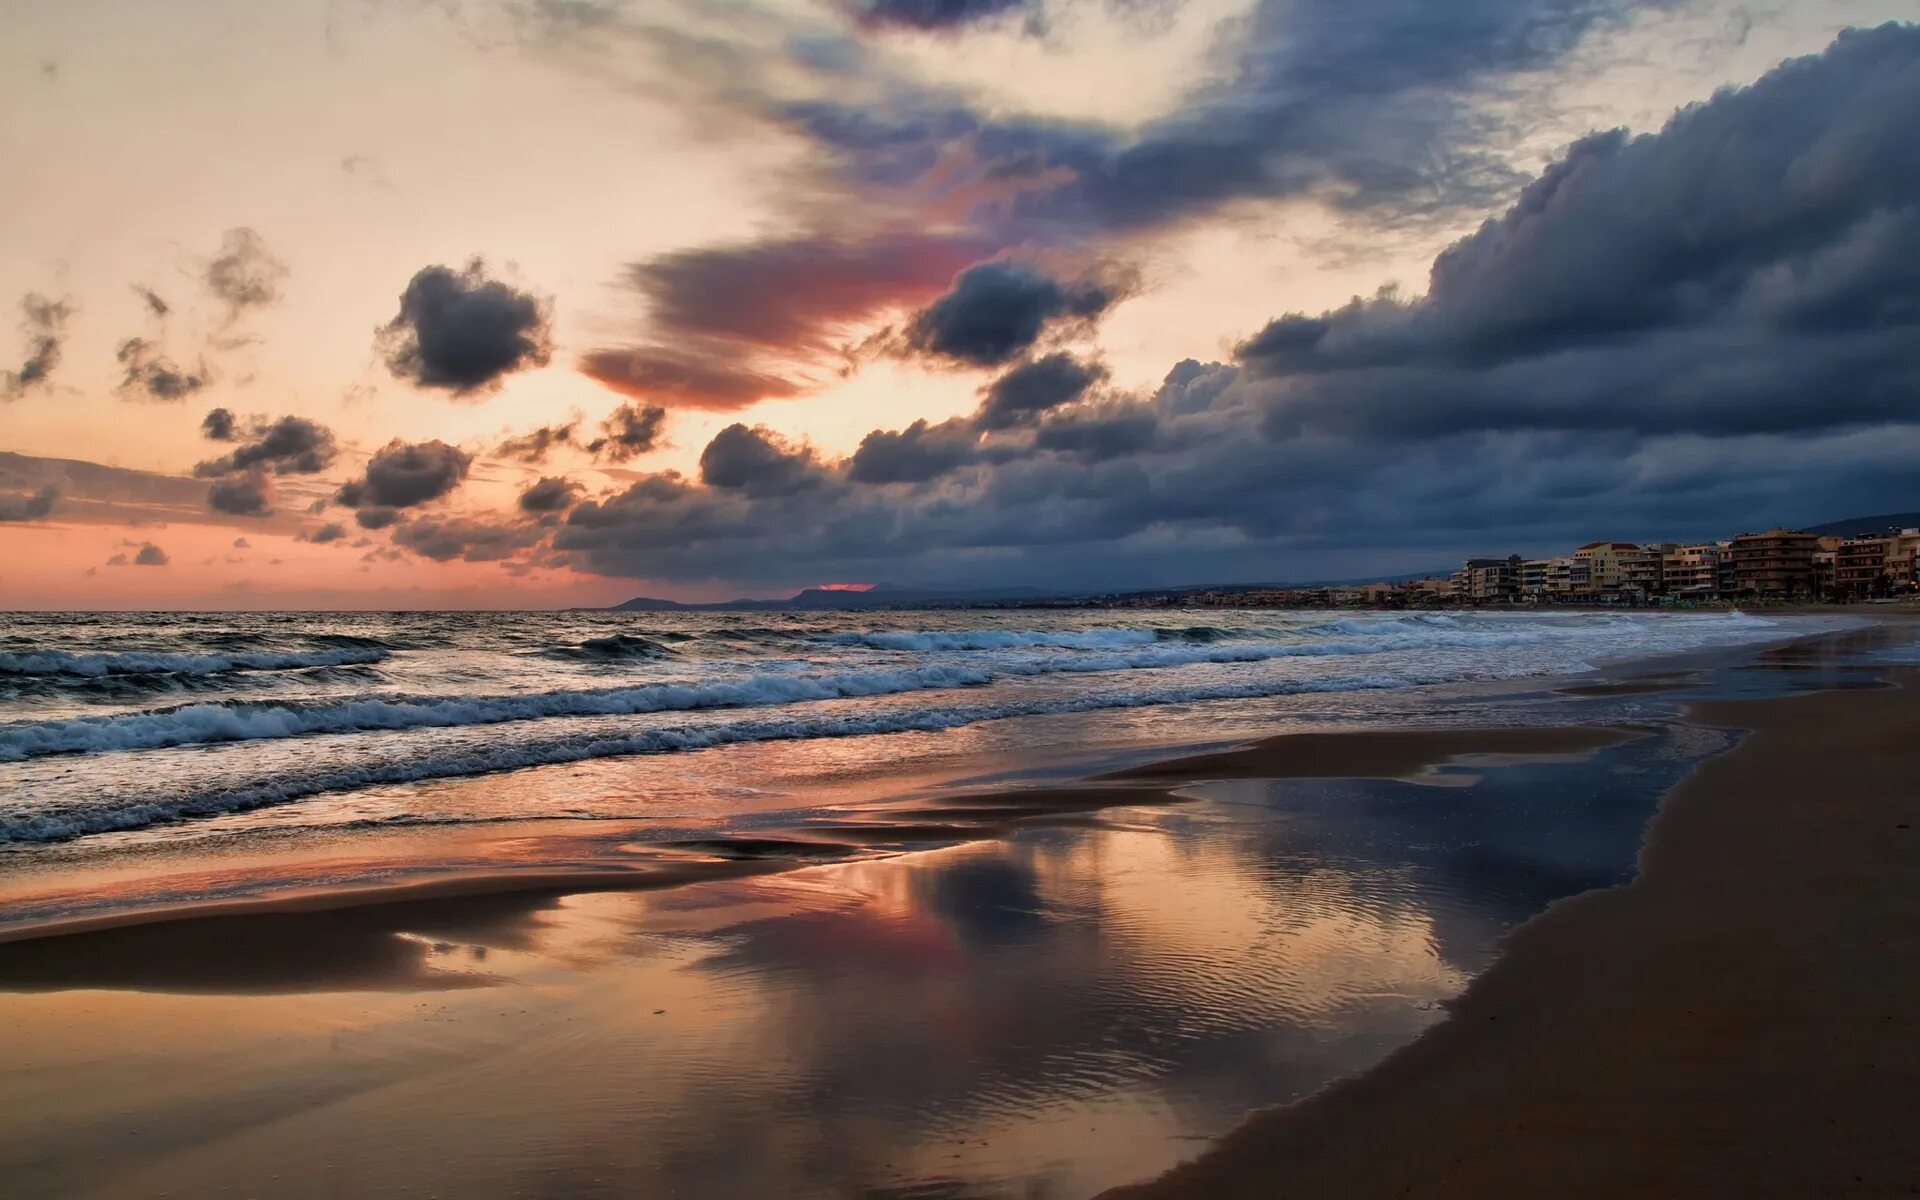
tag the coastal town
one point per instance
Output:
(1774, 566)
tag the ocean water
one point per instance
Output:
(169, 726)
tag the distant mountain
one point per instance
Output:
(837, 599)
(1865, 526)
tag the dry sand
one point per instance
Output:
(1741, 1020)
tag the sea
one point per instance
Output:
(158, 726)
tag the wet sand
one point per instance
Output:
(316, 936)
(1737, 1021)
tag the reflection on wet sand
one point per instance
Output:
(1045, 1012)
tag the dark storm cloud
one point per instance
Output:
(28, 506)
(376, 517)
(148, 374)
(551, 494)
(150, 555)
(403, 475)
(245, 274)
(156, 304)
(932, 15)
(464, 538)
(1681, 335)
(1753, 267)
(997, 310)
(534, 447)
(463, 331)
(44, 322)
(288, 446)
(1371, 104)
(628, 432)
(1035, 387)
(247, 494)
(220, 425)
(756, 461)
(915, 454)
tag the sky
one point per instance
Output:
(531, 303)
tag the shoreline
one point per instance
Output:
(974, 918)
(200, 939)
(1729, 1021)
(910, 805)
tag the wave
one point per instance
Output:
(61, 662)
(615, 647)
(992, 639)
(61, 824)
(252, 720)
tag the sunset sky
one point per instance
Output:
(524, 303)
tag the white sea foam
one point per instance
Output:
(61, 662)
(257, 720)
(992, 639)
(248, 721)
(58, 823)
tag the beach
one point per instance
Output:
(1736, 1021)
(1051, 981)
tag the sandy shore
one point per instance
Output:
(1738, 1021)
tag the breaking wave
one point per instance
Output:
(59, 824)
(61, 662)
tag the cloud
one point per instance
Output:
(1680, 335)
(28, 506)
(997, 310)
(931, 16)
(628, 432)
(757, 461)
(220, 425)
(148, 374)
(241, 543)
(156, 305)
(44, 322)
(377, 517)
(729, 325)
(247, 494)
(1035, 387)
(148, 555)
(332, 531)
(535, 446)
(464, 332)
(465, 538)
(244, 275)
(551, 494)
(403, 475)
(654, 373)
(1749, 268)
(288, 446)
(915, 454)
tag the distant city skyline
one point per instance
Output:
(520, 303)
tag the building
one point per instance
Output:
(1870, 568)
(1729, 579)
(1488, 580)
(1691, 572)
(1859, 568)
(1559, 577)
(1606, 572)
(1777, 563)
(1640, 569)
(1533, 577)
